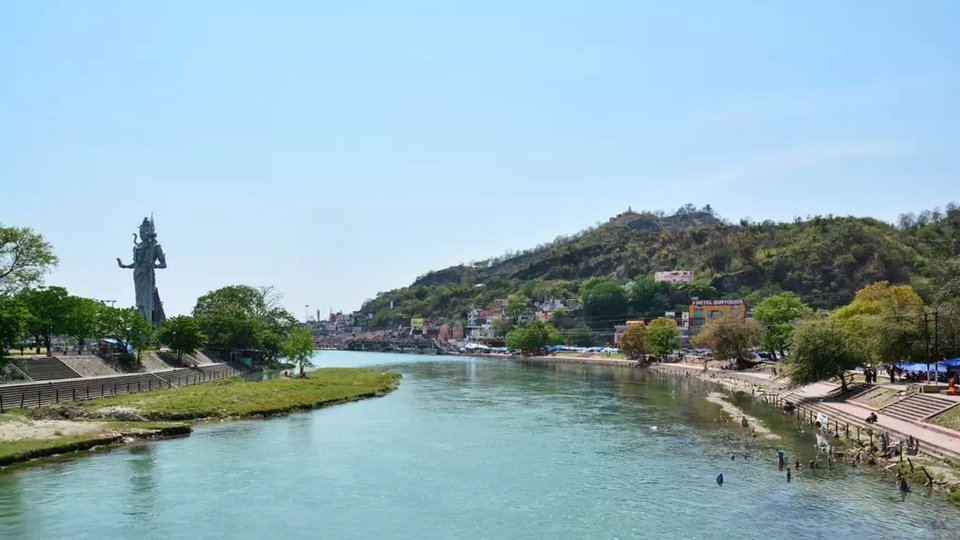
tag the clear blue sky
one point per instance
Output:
(337, 149)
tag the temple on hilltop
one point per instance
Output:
(628, 213)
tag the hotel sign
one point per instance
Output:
(718, 303)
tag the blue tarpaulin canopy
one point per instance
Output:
(923, 368)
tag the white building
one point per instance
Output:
(674, 276)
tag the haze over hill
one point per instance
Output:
(824, 260)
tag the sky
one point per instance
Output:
(337, 149)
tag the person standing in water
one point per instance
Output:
(720, 479)
(789, 475)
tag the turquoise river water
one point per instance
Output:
(472, 448)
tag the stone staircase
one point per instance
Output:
(917, 407)
(841, 421)
(47, 369)
(88, 365)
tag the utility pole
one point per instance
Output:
(306, 313)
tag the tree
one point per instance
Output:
(728, 337)
(244, 317)
(532, 338)
(182, 334)
(633, 343)
(604, 304)
(298, 348)
(501, 327)
(128, 328)
(81, 319)
(822, 349)
(581, 336)
(662, 334)
(883, 321)
(48, 307)
(13, 324)
(24, 257)
(777, 314)
(516, 304)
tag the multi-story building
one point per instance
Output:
(704, 311)
(674, 276)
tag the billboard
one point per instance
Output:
(416, 324)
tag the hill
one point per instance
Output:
(825, 260)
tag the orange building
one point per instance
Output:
(704, 311)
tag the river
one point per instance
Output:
(472, 448)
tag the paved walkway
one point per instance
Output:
(941, 437)
(936, 436)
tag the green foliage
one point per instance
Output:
(82, 319)
(48, 307)
(532, 338)
(298, 348)
(822, 349)
(501, 327)
(634, 343)
(237, 398)
(244, 317)
(663, 336)
(128, 327)
(581, 336)
(182, 334)
(604, 304)
(884, 322)
(13, 324)
(776, 315)
(728, 337)
(516, 304)
(24, 257)
(823, 260)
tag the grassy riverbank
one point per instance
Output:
(75, 426)
(237, 398)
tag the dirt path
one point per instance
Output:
(18, 430)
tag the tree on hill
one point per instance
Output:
(633, 343)
(663, 336)
(822, 349)
(516, 304)
(24, 257)
(182, 334)
(776, 315)
(298, 348)
(501, 327)
(604, 304)
(532, 338)
(728, 338)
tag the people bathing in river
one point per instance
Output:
(789, 475)
(781, 458)
(720, 479)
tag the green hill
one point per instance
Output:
(825, 260)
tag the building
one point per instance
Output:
(704, 311)
(456, 333)
(674, 276)
(621, 329)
